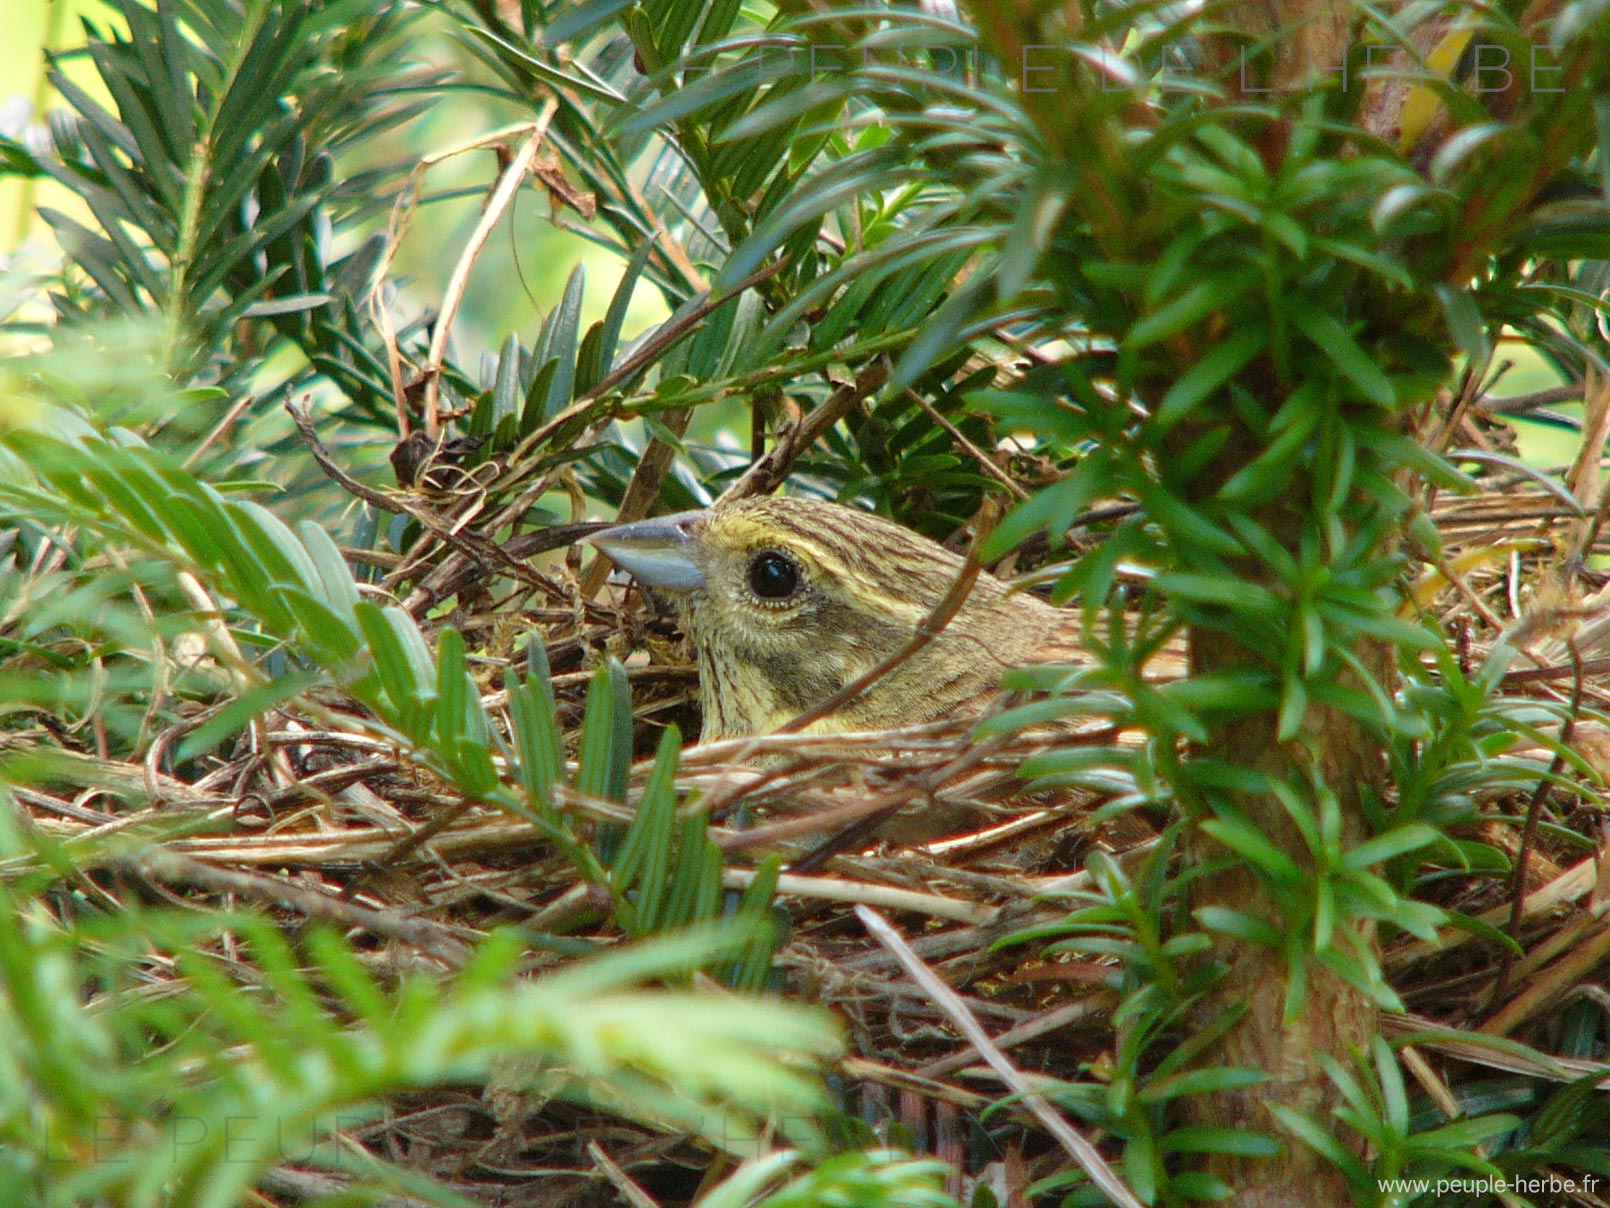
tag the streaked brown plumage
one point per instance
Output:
(788, 600)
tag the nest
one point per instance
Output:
(318, 818)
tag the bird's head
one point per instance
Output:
(788, 600)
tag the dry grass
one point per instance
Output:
(321, 818)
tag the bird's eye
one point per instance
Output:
(773, 575)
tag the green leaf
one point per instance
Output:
(643, 861)
(1240, 836)
(1464, 1134)
(1239, 924)
(461, 725)
(403, 665)
(1322, 1140)
(1332, 339)
(1485, 932)
(695, 889)
(606, 738)
(615, 317)
(240, 712)
(1233, 593)
(1465, 323)
(1052, 509)
(1037, 219)
(1393, 843)
(1293, 709)
(330, 565)
(1270, 473)
(690, 100)
(846, 181)
(335, 641)
(579, 20)
(275, 546)
(1394, 1096)
(939, 335)
(1222, 362)
(1231, 692)
(753, 968)
(560, 332)
(1204, 1138)
(506, 396)
(535, 731)
(1212, 294)
(1199, 1082)
(538, 396)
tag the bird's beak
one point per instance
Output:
(657, 553)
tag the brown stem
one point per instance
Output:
(1335, 1018)
(1534, 811)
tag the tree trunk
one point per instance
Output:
(1335, 1018)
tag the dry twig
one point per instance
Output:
(1079, 1149)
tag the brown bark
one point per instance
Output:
(1280, 45)
(1336, 1019)
(1300, 39)
(1265, 49)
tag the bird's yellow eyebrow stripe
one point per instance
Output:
(853, 569)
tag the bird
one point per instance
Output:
(786, 601)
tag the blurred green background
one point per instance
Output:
(522, 272)
(518, 277)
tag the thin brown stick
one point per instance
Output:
(1468, 392)
(452, 568)
(929, 628)
(838, 889)
(397, 224)
(349, 484)
(617, 1178)
(170, 867)
(1583, 476)
(950, 1003)
(1573, 884)
(1584, 667)
(218, 429)
(852, 812)
(468, 547)
(508, 185)
(985, 462)
(763, 477)
(1468, 1046)
(1550, 984)
(1433, 1086)
(1520, 404)
(641, 493)
(307, 1186)
(1534, 809)
(1101, 1003)
(1583, 547)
